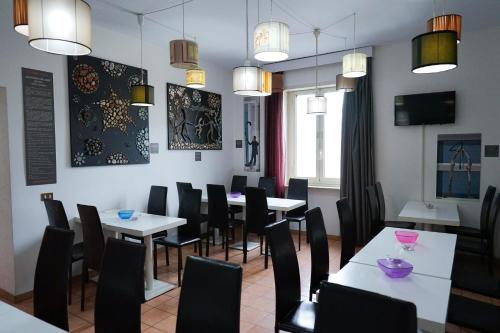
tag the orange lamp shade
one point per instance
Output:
(451, 22)
(20, 14)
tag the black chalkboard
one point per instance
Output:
(39, 129)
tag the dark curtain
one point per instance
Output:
(274, 141)
(357, 154)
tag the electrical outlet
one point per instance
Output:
(47, 196)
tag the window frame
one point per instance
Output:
(291, 139)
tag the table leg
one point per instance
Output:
(279, 215)
(154, 287)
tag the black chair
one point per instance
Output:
(347, 231)
(58, 218)
(473, 314)
(157, 205)
(210, 298)
(344, 310)
(238, 184)
(181, 186)
(93, 245)
(257, 218)
(50, 290)
(268, 184)
(292, 314)
(298, 190)
(218, 216)
(187, 234)
(320, 258)
(120, 290)
(479, 282)
(375, 202)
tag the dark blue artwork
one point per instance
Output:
(459, 166)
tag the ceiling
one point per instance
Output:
(219, 25)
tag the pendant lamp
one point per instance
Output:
(354, 64)
(266, 83)
(345, 84)
(184, 52)
(195, 78)
(271, 40)
(247, 79)
(450, 22)
(316, 104)
(60, 26)
(434, 52)
(142, 94)
(20, 15)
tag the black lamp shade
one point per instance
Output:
(434, 52)
(142, 95)
(345, 84)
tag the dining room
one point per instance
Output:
(249, 166)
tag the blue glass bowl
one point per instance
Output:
(125, 214)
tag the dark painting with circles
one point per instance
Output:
(105, 128)
(194, 119)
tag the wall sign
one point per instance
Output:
(39, 129)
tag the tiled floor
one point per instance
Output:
(257, 301)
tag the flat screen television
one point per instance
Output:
(424, 109)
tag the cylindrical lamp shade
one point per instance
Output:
(271, 41)
(354, 65)
(142, 95)
(247, 81)
(434, 52)
(345, 84)
(266, 83)
(316, 105)
(195, 78)
(184, 54)
(20, 15)
(450, 22)
(60, 26)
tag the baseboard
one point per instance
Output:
(15, 298)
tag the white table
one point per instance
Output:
(433, 253)
(143, 225)
(442, 213)
(430, 295)
(13, 320)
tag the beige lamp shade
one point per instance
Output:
(60, 26)
(271, 41)
(266, 83)
(195, 78)
(247, 80)
(434, 52)
(354, 65)
(345, 84)
(184, 54)
(142, 95)
(451, 22)
(316, 105)
(20, 15)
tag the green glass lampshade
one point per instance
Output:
(142, 95)
(434, 52)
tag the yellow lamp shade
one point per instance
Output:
(434, 52)
(195, 78)
(142, 95)
(271, 41)
(20, 15)
(184, 54)
(266, 83)
(354, 65)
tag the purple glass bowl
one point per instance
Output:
(395, 268)
(235, 194)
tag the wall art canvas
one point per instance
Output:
(251, 128)
(458, 166)
(105, 128)
(194, 119)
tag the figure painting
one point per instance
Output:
(251, 125)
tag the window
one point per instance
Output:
(314, 141)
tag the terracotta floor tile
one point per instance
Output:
(154, 316)
(77, 323)
(167, 325)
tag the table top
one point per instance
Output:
(430, 295)
(280, 204)
(433, 253)
(141, 224)
(442, 213)
(14, 320)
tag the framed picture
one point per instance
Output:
(251, 128)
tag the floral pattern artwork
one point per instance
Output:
(194, 119)
(105, 128)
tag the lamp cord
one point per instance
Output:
(316, 34)
(183, 37)
(141, 22)
(247, 28)
(354, 34)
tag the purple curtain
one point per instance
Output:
(274, 141)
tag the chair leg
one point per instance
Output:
(195, 247)
(307, 232)
(155, 260)
(200, 252)
(179, 266)
(82, 286)
(70, 276)
(213, 236)
(261, 241)
(207, 248)
(226, 234)
(300, 230)
(266, 253)
(167, 258)
(310, 296)
(245, 241)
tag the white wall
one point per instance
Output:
(105, 187)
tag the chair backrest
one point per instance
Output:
(344, 309)
(285, 268)
(319, 247)
(120, 290)
(210, 304)
(180, 189)
(373, 210)
(157, 203)
(218, 216)
(256, 210)
(269, 184)
(486, 209)
(381, 201)
(50, 292)
(492, 226)
(298, 190)
(239, 184)
(189, 209)
(56, 214)
(93, 237)
(347, 231)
